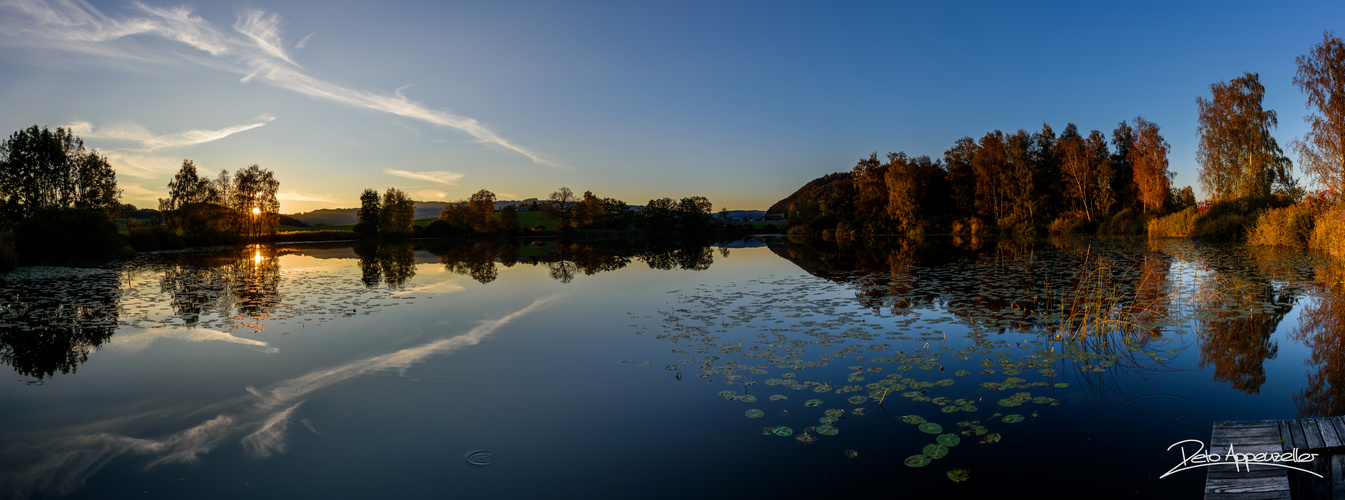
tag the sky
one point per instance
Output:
(740, 102)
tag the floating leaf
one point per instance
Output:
(1061, 385)
(812, 402)
(858, 400)
(948, 439)
(747, 398)
(754, 413)
(990, 438)
(1013, 418)
(777, 397)
(670, 368)
(931, 428)
(783, 431)
(935, 450)
(917, 461)
(913, 419)
(851, 454)
(827, 430)
(959, 475)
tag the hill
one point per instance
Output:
(817, 189)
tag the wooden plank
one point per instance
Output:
(1248, 432)
(1247, 485)
(1312, 434)
(1329, 436)
(1337, 477)
(1296, 430)
(1257, 471)
(1286, 439)
(1270, 495)
(1238, 424)
(1339, 424)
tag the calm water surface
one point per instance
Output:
(1053, 369)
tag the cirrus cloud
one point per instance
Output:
(435, 176)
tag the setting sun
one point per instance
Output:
(256, 210)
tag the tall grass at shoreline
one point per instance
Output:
(1301, 226)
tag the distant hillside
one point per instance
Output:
(817, 189)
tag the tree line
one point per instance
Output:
(1024, 181)
(1001, 181)
(391, 215)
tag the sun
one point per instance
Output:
(256, 210)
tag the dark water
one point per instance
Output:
(1053, 369)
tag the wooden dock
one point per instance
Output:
(1322, 436)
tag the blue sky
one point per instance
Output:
(741, 102)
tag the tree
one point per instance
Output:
(1238, 157)
(990, 165)
(368, 207)
(42, 170)
(253, 202)
(187, 204)
(1021, 177)
(1105, 195)
(961, 175)
(870, 178)
(561, 206)
(395, 216)
(509, 218)
(481, 212)
(1122, 178)
(1077, 171)
(1149, 157)
(1321, 75)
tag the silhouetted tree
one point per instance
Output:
(44, 170)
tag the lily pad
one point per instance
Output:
(747, 398)
(931, 428)
(812, 402)
(935, 450)
(856, 400)
(806, 438)
(1013, 418)
(948, 439)
(913, 419)
(783, 431)
(990, 438)
(917, 461)
(959, 475)
(851, 454)
(827, 430)
(754, 413)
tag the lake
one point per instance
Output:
(773, 368)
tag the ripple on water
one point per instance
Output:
(1157, 409)
(481, 458)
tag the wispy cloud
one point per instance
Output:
(150, 142)
(303, 42)
(293, 195)
(254, 49)
(132, 164)
(435, 176)
(137, 341)
(64, 462)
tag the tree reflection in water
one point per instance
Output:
(239, 284)
(1321, 326)
(565, 261)
(51, 321)
(392, 263)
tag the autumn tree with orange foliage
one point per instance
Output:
(1148, 156)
